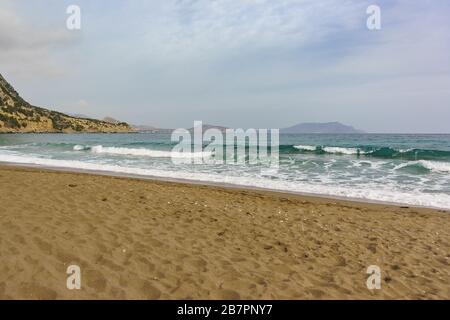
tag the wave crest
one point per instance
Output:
(148, 152)
(376, 152)
(425, 164)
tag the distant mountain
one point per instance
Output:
(206, 126)
(152, 129)
(147, 128)
(17, 115)
(143, 127)
(328, 127)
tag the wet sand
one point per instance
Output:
(143, 239)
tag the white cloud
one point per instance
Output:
(26, 48)
(205, 29)
(414, 40)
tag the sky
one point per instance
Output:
(237, 63)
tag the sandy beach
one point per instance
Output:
(141, 239)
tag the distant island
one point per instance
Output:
(17, 115)
(327, 127)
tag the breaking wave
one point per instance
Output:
(148, 152)
(369, 151)
(425, 164)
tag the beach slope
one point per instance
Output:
(141, 239)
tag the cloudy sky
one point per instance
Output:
(240, 63)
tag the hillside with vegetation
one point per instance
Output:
(17, 115)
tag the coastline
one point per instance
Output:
(153, 239)
(214, 184)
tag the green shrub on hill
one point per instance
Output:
(10, 122)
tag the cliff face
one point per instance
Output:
(17, 115)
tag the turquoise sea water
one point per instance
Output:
(407, 169)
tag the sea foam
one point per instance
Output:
(80, 147)
(307, 148)
(331, 150)
(430, 165)
(147, 152)
(341, 150)
(385, 193)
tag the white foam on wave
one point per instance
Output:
(375, 192)
(306, 148)
(333, 150)
(360, 164)
(148, 152)
(80, 147)
(435, 165)
(427, 164)
(341, 150)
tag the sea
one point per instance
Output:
(406, 169)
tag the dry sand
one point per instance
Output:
(140, 239)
